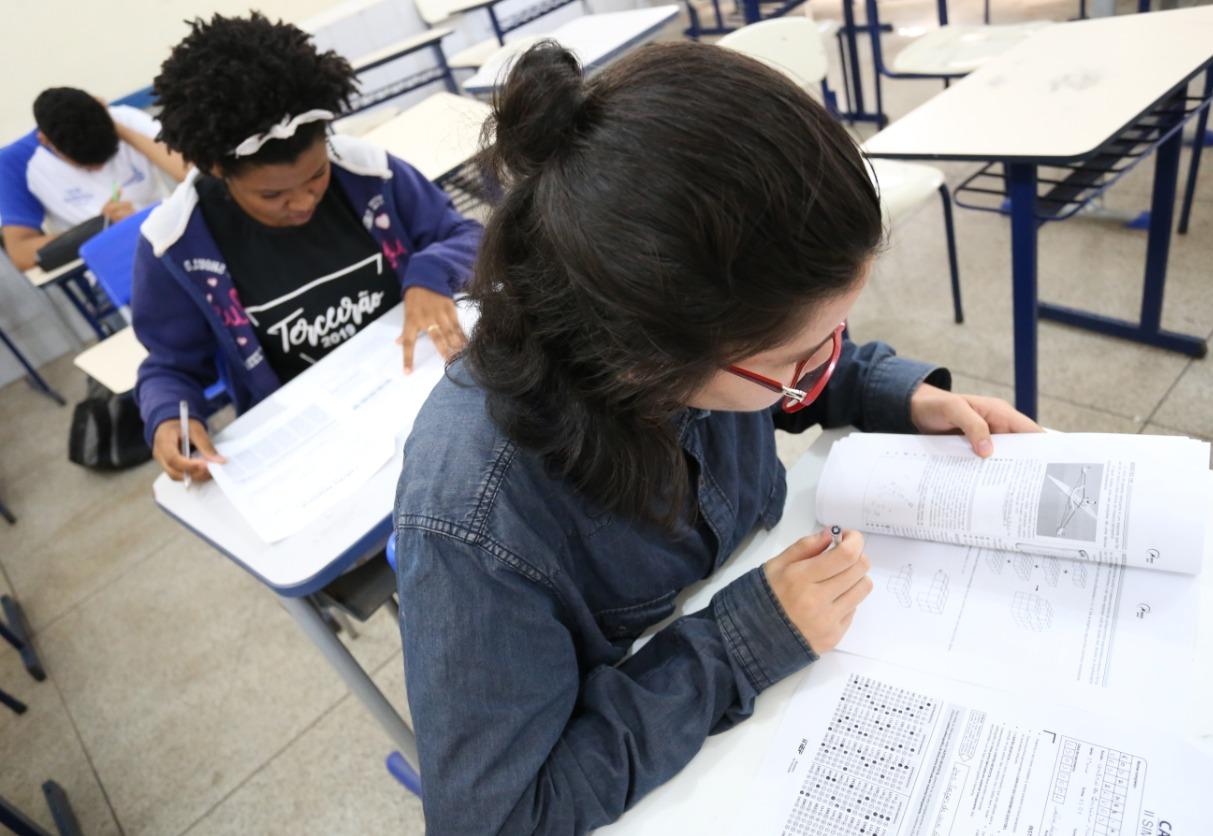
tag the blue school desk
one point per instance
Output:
(1057, 120)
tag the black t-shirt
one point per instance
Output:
(306, 289)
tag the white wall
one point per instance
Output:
(111, 48)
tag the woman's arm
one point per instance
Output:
(22, 244)
(181, 348)
(170, 162)
(515, 737)
(443, 242)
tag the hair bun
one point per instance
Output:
(537, 110)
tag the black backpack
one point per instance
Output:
(107, 432)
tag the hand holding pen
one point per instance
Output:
(819, 581)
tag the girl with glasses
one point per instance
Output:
(662, 285)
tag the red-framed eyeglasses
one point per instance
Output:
(805, 387)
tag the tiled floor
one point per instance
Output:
(182, 699)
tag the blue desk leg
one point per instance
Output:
(1148, 329)
(848, 23)
(1198, 144)
(355, 677)
(750, 11)
(1021, 182)
(37, 380)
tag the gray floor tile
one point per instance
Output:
(112, 527)
(184, 676)
(41, 745)
(330, 780)
(1189, 405)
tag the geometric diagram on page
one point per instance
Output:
(994, 562)
(899, 584)
(894, 500)
(1078, 574)
(936, 598)
(1069, 501)
(1023, 566)
(1106, 775)
(1031, 612)
(868, 760)
(1052, 568)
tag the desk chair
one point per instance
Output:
(945, 53)
(794, 47)
(110, 256)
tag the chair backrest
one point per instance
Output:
(110, 256)
(433, 12)
(791, 45)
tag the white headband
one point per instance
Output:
(283, 130)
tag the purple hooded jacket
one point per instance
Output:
(185, 308)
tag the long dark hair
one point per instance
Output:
(676, 212)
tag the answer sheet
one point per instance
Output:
(320, 437)
(870, 748)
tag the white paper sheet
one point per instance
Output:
(1083, 631)
(869, 748)
(321, 437)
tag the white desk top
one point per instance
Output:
(399, 49)
(39, 277)
(706, 795)
(354, 527)
(1060, 94)
(435, 136)
(595, 39)
(113, 362)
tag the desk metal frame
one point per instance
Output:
(1165, 120)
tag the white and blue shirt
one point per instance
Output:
(40, 190)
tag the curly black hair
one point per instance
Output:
(233, 77)
(77, 125)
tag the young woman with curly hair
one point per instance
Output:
(663, 284)
(285, 241)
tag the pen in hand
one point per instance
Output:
(185, 438)
(835, 536)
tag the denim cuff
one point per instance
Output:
(758, 634)
(888, 389)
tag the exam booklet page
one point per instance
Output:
(321, 437)
(1128, 500)
(866, 747)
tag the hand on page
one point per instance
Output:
(935, 411)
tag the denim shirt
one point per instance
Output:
(520, 600)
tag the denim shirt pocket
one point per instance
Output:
(623, 625)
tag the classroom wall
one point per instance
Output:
(111, 47)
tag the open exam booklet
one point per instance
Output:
(1128, 500)
(1026, 662)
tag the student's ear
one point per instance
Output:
(42, 140)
